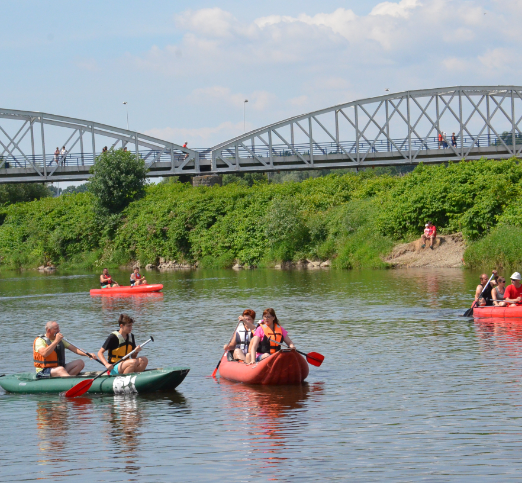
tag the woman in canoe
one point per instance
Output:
(497, 294)
(262, 346)
(238, 346)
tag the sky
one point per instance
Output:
(185, 68)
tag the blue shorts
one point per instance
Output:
(44, 373)
(114, 370)
(258, 358)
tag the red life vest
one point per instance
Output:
(267, 346)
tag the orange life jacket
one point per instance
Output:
(267, 346)
(54, 359)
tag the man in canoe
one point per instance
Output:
(136, 278)
(484, 292)
(262, 346)
(49, 354)
(513, 293)
(106, 280)
(119, 344)
(237, 348)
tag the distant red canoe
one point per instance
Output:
(284, 367)
(498, 312)
(127, 290)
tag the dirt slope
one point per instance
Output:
(446, 253)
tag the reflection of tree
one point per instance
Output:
(52, 426)
(265, 416)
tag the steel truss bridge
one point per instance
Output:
(395, 129)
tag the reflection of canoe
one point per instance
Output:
(498, 312)
(284, 367)
(148, 381)
(127, 289)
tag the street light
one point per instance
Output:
(244, 115)
(127, 107)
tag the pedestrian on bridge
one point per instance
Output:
(454, 140)
(63, 155)
(57, 155)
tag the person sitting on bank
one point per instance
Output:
(106, 280)
(430, 233)
(498, 292)
(238, 346)
(482, 293)
(118, 345)
(136, 278)
(262, 346)
(513, 293)
(49, 354)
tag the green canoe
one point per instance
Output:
(149, 381)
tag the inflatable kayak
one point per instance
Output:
(498, 312)
(149, 381)
(127, 289)
(284, 367)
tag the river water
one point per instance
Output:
(408, 391)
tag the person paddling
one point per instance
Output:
(261, 347)
(513, 293)
(49, 354)
(238, 346)
(119, 344)
(484, 292)
(136, 278)
(106, 280)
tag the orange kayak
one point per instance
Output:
(127, 289)
(498, 312)
(284, 367)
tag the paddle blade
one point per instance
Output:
(314, 358)
(215, 372)
(79, 389)
(468, 313)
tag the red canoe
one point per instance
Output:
(498, 312)
(284, 367)
(127, 290)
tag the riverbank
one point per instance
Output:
(357, 220)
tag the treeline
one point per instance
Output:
(352, 219)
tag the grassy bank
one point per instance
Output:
(351, 219)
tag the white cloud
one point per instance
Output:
(289, 64)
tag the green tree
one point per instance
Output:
(82, 188)
(118, 178)
(17, 192)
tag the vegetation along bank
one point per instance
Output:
(353, 219)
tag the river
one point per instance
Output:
(408, 391)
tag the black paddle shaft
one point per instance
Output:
(85, 352)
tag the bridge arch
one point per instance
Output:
(394, 129)
(28, 140)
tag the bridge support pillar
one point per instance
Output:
(208, 180)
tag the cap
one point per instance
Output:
(516, 276)
(426, 225)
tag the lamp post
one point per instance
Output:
(127, 108)
(244, 114)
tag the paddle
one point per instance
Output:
(85, 352)
(218, 364)
(83, 386)
(469, 312)
(313, 358)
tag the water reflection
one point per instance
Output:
(53, 426)
(496, 333)
(271, 417)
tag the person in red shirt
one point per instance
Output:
(430, 233)
(513, 293)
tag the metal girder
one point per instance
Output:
(22, 160)
(395, 129)
(402, 127)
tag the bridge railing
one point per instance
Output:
(79, 160)
(378, 146)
